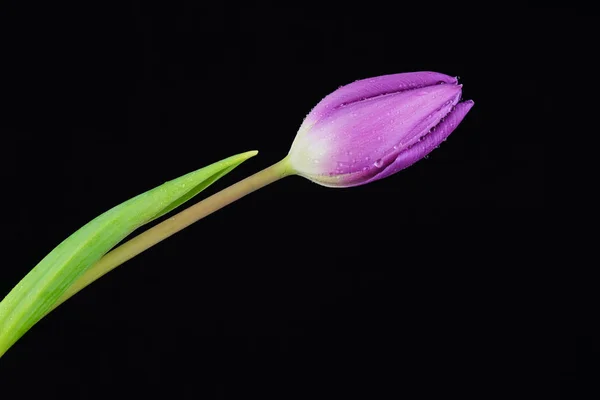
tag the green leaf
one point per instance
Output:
(37, 292)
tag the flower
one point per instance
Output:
(373, 128)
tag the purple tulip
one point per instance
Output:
(375, 127)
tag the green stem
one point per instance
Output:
(185, 218)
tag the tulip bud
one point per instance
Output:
(373, 128)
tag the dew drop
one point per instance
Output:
(395, 147)
(367, 158)
(378, 137)
(365, 168)
(378, 163)
(316, 161)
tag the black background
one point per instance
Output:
(434, 282)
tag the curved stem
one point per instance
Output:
(185, 218)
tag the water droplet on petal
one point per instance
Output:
(316, 161)
(378, 163)
(365, 168)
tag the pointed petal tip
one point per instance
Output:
(466, 105)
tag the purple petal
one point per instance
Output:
(372, 87)
(353, 138)
(411, 155)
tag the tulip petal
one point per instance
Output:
(374, 127)
(430, 141)
(362, 138)
(372, 87)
